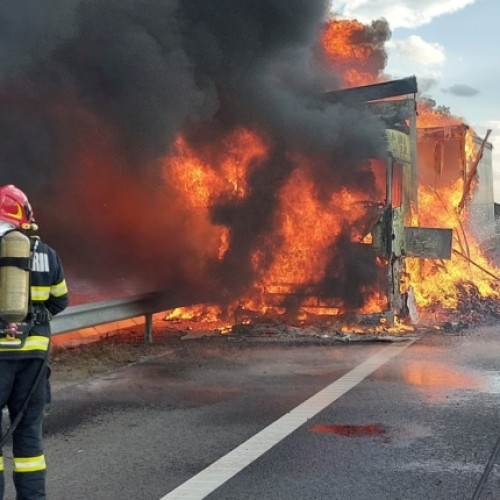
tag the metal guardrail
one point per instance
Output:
(108, 311)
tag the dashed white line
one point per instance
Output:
(216, 474)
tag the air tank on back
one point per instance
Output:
(14, 281)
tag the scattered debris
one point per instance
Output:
(287, 333)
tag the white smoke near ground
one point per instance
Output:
(494, 139)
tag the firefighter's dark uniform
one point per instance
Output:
(19, 368)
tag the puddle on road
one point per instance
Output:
(437, 382)
(369, 430)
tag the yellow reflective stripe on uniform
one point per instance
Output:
(29, 464)
(1, 464)
(33, 343)
(59, 289)
(40, 292)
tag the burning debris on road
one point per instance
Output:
(250, 156)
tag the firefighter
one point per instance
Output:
(24, 371)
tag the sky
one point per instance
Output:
(451, 46)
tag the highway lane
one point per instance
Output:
(422, 425)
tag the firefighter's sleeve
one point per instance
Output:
(58, 298)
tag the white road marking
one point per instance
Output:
(216, 474)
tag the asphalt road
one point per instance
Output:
(229, 419)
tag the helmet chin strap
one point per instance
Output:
(5, 226)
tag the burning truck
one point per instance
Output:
(387, 243)
(430, 215)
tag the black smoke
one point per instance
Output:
(121, 79)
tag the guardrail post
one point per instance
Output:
(148, 328)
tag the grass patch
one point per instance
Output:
(98, 357)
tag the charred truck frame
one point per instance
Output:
(393, 236)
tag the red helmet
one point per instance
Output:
(15, 207)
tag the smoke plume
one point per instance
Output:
(95, 93)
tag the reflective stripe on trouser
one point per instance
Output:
(16, 380)
(29, 464)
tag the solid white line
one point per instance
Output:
(216, 474)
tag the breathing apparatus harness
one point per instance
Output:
(18, 314)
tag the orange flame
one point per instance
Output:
(345, 49)
(443, 283)
(202, 182)
(200, 312)
(428, 117)
(304, 227)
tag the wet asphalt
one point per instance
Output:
(422, 426)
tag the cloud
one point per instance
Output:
(417, 50)
(461, 90)
(399, 13)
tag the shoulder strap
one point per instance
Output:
(21, 262)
